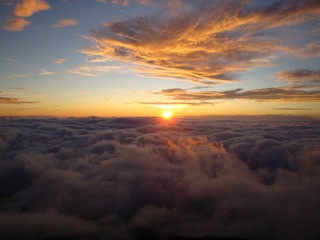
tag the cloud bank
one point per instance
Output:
(141, 178)
(203, 41)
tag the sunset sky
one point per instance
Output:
(140, 57)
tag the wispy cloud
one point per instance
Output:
(85, 93)
(65, 23)
(17, 76)
(177, 104)
(19, 88)
(8, 2)
(310, 50)
(93, 71)
(123, 2)
(293, 109)
(300, 74)
(46, 72)
(264, 94)
(209, 42)
(7, 100)
(59, 61)
(24, 9)
(9, 60)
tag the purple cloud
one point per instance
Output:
(133, 178)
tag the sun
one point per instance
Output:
(166, 114)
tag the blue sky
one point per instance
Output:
(106, 58)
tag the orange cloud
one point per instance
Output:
(24, 9)
(16, 24)
(65, 23)
(28, 7)
(59, 61)
(210, 43)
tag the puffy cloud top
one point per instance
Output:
(141, 178)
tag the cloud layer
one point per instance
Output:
(204, 41)
(142, 178)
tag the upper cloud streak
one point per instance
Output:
(263, 94)
(210, 42)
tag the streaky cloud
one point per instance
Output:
(301, 76)
(12, 100)
(209, 42)
(282, 94)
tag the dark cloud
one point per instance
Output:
(284, 94)
(302, 76)
(141, 178)
(203, 41)
(8, 100)
(311, 50)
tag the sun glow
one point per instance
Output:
(166, 114)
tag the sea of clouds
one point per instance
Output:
(144, 178)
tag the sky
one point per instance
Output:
(140, 57)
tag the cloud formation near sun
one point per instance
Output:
(204, 41)
(292, 94)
